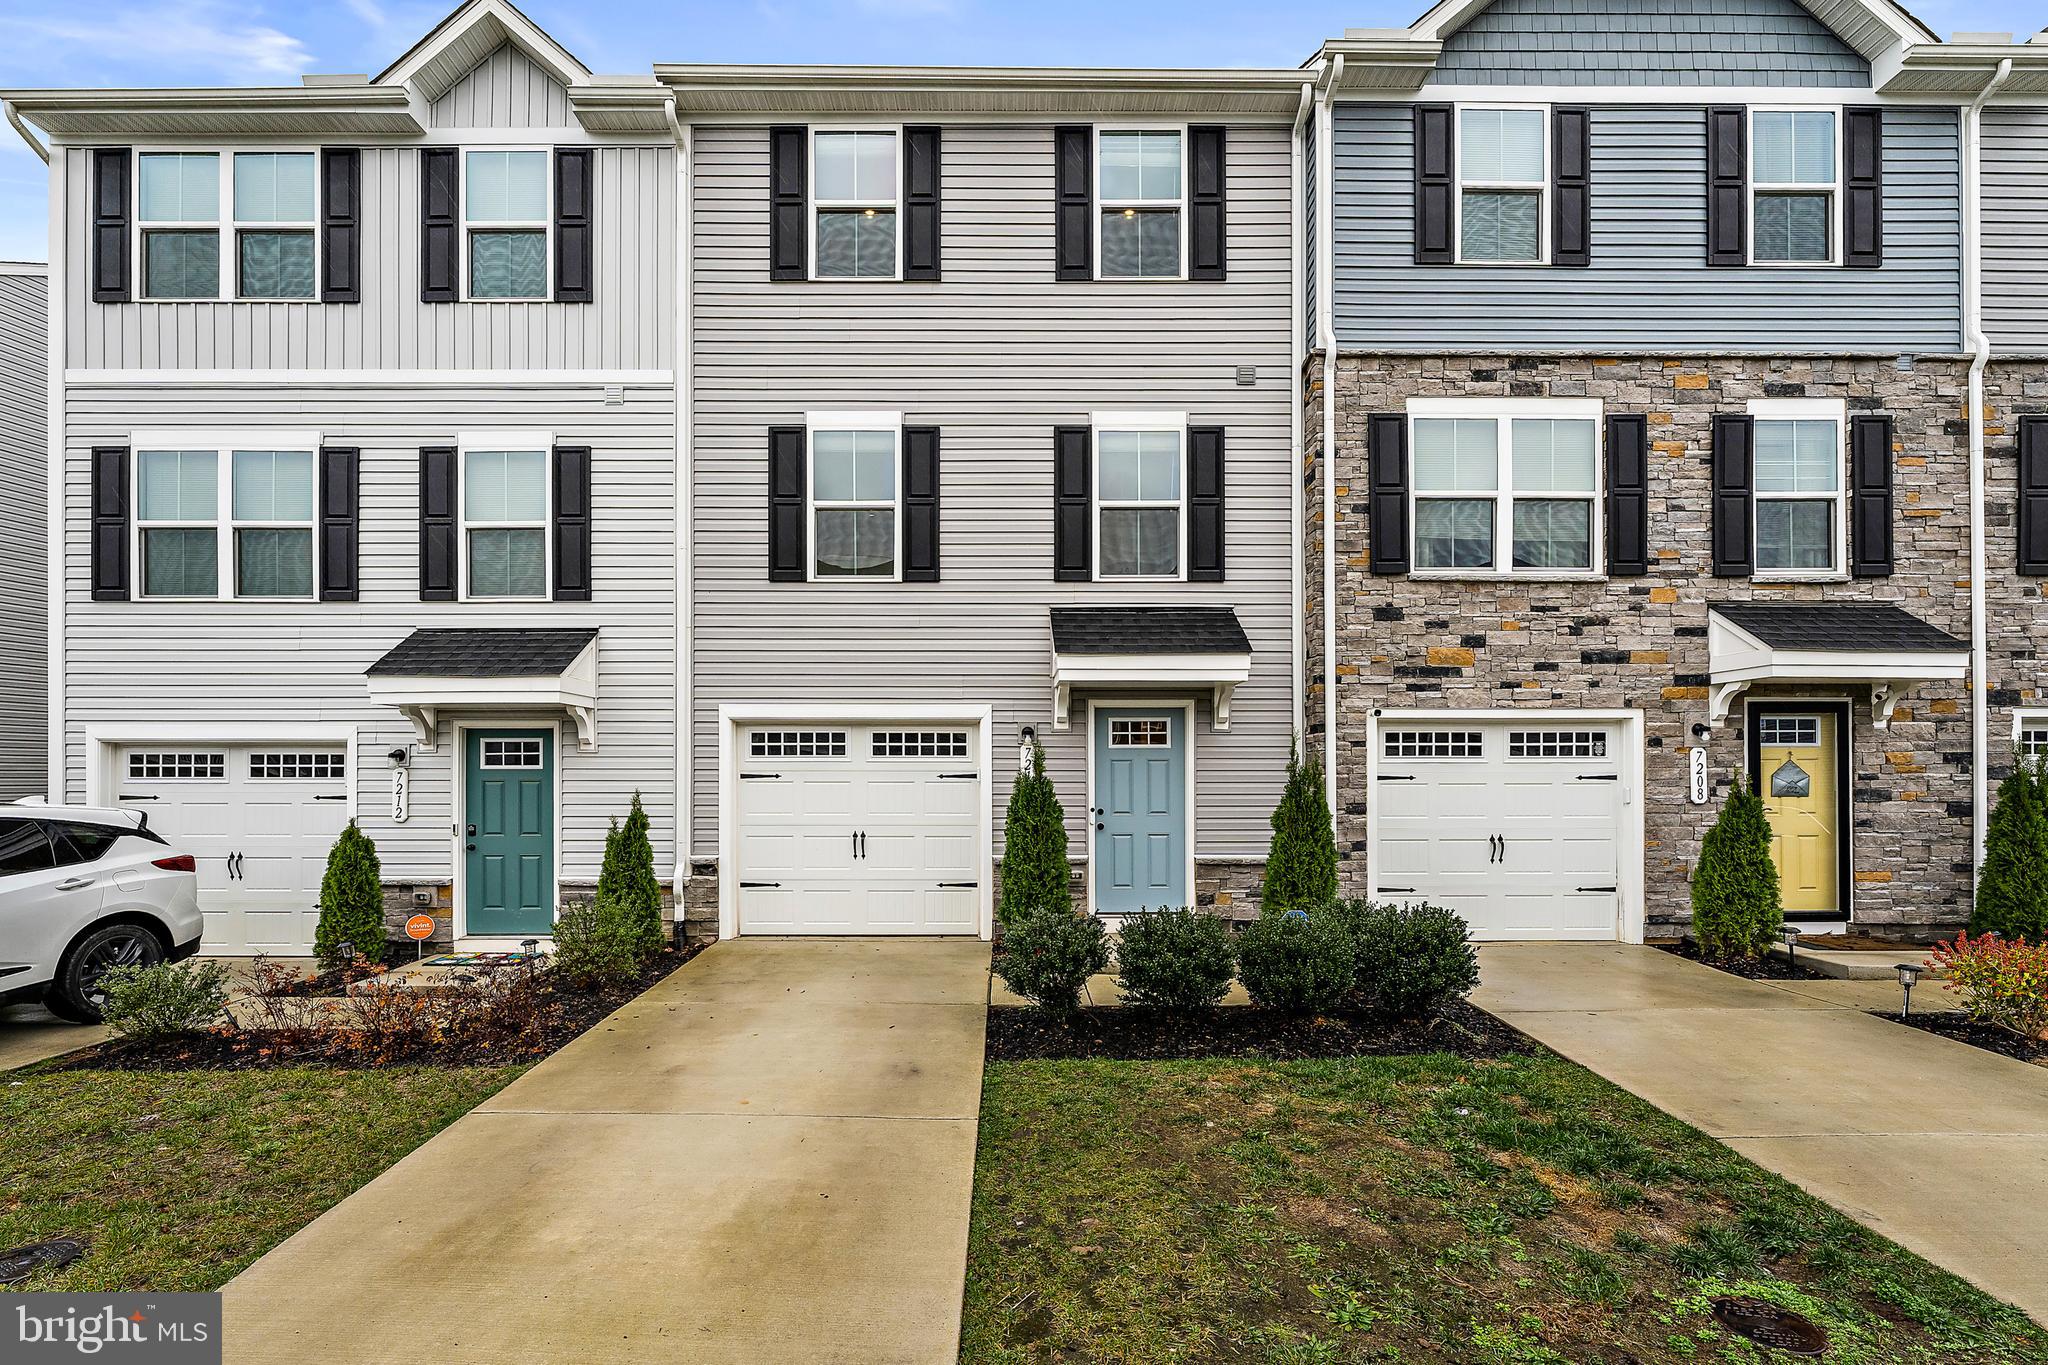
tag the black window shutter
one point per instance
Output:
(1734, 494)
(1386, 445)
(2033, 495)
(437, 524)
(1870, 496)
(1073, 559)
(1435, 183)
(341, 231)
(572, 523)
(1628, 495)
(920, 504)
(110, 173)
(1571, 186)
(575, 224)
(1073, 196)
(1863, 188)
(921, 203)
(1205, 504)
(788, 203)
(340, 516)
(110, 523)
(786, 505)
(440, 228)
(1208, 173)
(1727, 186)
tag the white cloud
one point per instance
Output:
(199, 36)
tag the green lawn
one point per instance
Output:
(180, 1179)
(1408, 1209)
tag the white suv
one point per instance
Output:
(83, 889)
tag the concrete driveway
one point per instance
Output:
(1940, 1146)
(30, 1033)
(769, 1156)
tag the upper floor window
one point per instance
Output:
(856, 180)
(1799, 487)
(1140, 202)
(854, 488)
(506, 218)
(1794, 185)
(505, 520)
(251, 508)
(1140, 491)
(1503, 173)
(272, 201)
(1507, 488)
(274, 224)
(178, 211)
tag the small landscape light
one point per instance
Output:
(347, 950)
(1908, 974)
(1792, 946)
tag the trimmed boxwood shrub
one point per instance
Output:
(1298, 961)
(599, 945)
(165, 999)
(1049, 953)
(1174, 959)
(351, 901)
(1034, 869)
(2012, 887)
(1301, 866)
(1411, 960)
(1736, 908)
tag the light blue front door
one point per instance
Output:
(509, 834)
(1141, 851)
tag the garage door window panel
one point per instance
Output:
(854, 489)
(919, 743)
(177, 766)
(301, 767)
(1435, 744)
(505, 523)
(797, 744)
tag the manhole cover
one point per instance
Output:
(19, 1263)
(1769, 1325)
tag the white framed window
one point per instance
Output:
(507, 210)
(1557, 744)
(1801, 521)
(2030, 736)
(854, 483)
(507, 514)
(512, 753)
(1140, 495)
(797, 744)
(1795, 161)
(1503, 161)
(1435, 744)
(1792, 731)
(1141, 218)
(856, 193)
(228, 224)
(302, 766)
(225, 515)
(1505, 486)
(1140, 732)
(918, 743)
(276, 206)
(180, 766)
(177, 218)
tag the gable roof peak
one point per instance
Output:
(459, 43)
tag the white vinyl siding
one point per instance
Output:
(24, 567)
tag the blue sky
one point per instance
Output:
(240, 42)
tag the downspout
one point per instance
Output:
(55, 291)
(1980, 357)
(14, 122)
(1296, 349)
(685, 634)
(1326, 336)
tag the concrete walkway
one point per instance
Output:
(1940, 1146)
(768, 1157)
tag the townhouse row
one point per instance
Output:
(1550, 418)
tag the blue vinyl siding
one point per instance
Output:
(1648, 288)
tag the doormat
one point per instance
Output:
(480, 959)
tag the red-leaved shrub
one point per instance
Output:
(1998, 981)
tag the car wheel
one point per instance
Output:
(76, 994)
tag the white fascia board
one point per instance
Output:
(424, 698)
(1222, 674)
(453, 48)
(265, 111)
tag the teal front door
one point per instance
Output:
(1141, 851)
(508, 811)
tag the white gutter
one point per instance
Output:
(1326, 336)
(1980, 348)
(14, 122)
(1296, 353)
(685, 635)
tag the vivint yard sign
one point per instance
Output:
(167, 1329)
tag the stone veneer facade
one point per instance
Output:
(2016, 616)
(1642, 642)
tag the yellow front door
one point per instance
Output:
(1796, 773)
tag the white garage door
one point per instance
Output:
(859, 829)
(259, 819)
(1514, 825)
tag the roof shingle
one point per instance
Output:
(1857, 627)
(480, 653)
(1148, 630)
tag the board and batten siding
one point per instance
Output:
(505, 90)
(24, 571)
(995, 356)
(629, 326)
(2015, 208)
(1649, 287)
(226, 663)
(1648, 42)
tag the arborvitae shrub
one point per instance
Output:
(2012, 886)
(1034, 870)
(1301, 867)
(1736, 908)
(627, 878)
(351, 901)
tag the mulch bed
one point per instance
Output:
(562, 1014)
(1966, 1030)
(1127, 1033)
(337, 980)
(1770, 967)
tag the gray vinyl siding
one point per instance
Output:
(1648, 42)
(24, 574)
(995, 356)
(1648, 287)
(630, 326)
(2015, 151)
(233, 662)
(506, 90)
(1310, 219)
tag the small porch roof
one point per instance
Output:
(1875, 643)
(1123, 648)
(432, 671)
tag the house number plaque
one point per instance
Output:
(1696, 761)
(401, 793)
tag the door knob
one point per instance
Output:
(470, 848)
(1098, 824)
